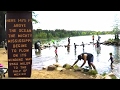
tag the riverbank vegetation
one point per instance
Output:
(44, 35)
(116, 31)
(58, 33)
(49, 34)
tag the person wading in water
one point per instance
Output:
(111, 58)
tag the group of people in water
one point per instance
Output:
(87, 57)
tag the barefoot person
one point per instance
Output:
(86, 57)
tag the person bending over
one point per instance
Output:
(86, 57)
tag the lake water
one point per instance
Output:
(101, 56)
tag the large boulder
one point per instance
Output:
(51, 68)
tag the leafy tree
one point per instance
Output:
(34, 16)
(116, 29)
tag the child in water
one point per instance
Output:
(111, 58)
(56, 55)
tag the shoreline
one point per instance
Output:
(44, 74)
(55, 74)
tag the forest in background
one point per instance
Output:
(53, 34)
(58, 33)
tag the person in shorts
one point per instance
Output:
(86, 57)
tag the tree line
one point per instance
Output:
(61, 33)
(49, 34)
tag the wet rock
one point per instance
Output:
(79, 69)
(67, 66)
(51, 68)
(76, 67)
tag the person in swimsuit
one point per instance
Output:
(86, 57)
(56, 55)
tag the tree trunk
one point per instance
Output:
(2, 26)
